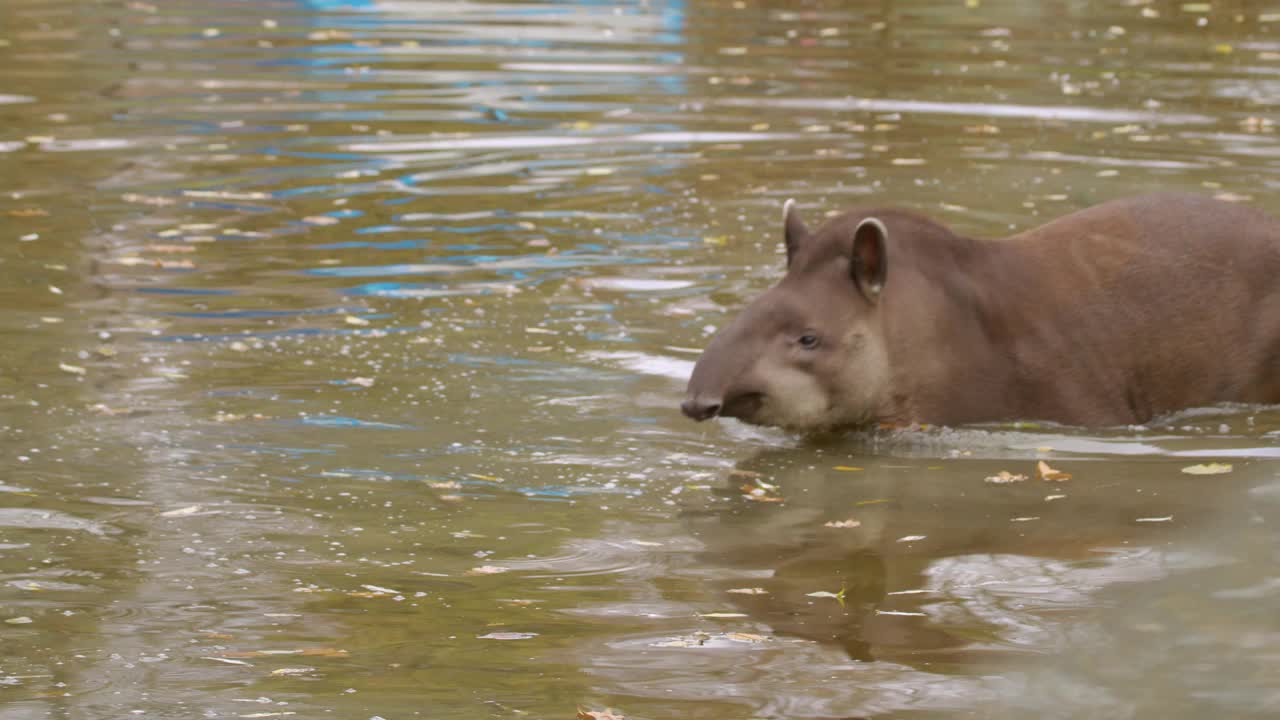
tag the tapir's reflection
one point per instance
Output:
(931, 563)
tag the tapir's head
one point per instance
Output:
(810, 352)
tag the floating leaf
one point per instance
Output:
(228, 661)
(380, 590)
(847, 468)
(1208, 469)
(1048, 474)
(698, 639)
(1004, 476)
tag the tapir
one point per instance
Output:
(1111, 315)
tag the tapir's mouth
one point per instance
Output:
(745, 407)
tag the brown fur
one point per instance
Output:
(1111, 315)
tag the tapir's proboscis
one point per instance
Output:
(1111, 315)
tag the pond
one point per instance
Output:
(344, 343)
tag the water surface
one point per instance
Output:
(344, 343)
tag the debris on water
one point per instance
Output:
(1028, 518)
(27, 212)
(292, 671)
(763, 492)
(381, 590)
(361, 381)
(73, 369)
(507, 636)
(353, 320)
(1048, 474)
(1004, 476)
(182, 511)
(847, 468)
(1166, 518)
(745, 637)
(697, 639)
(228, 661)
(21, 620)
(1256, 124)
(1208, 469)
(900, 613)
(722, 615)
(843, 524)
(486, 478)
(748, 591)
(488, 570)
(911, 538)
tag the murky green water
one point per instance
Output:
(342, 350)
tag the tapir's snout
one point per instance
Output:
(700, 407)
(722, 384)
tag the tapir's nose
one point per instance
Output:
(700, 407)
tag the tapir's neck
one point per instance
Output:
(948, 335)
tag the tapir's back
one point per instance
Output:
(1175, 298)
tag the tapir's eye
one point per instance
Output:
(808, 341)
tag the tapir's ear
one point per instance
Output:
(793, 229)
(870, 258)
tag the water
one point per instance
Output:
(344, 344)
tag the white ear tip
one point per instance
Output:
(875, 223)
(786, 208)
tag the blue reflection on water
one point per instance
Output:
(340, 421)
